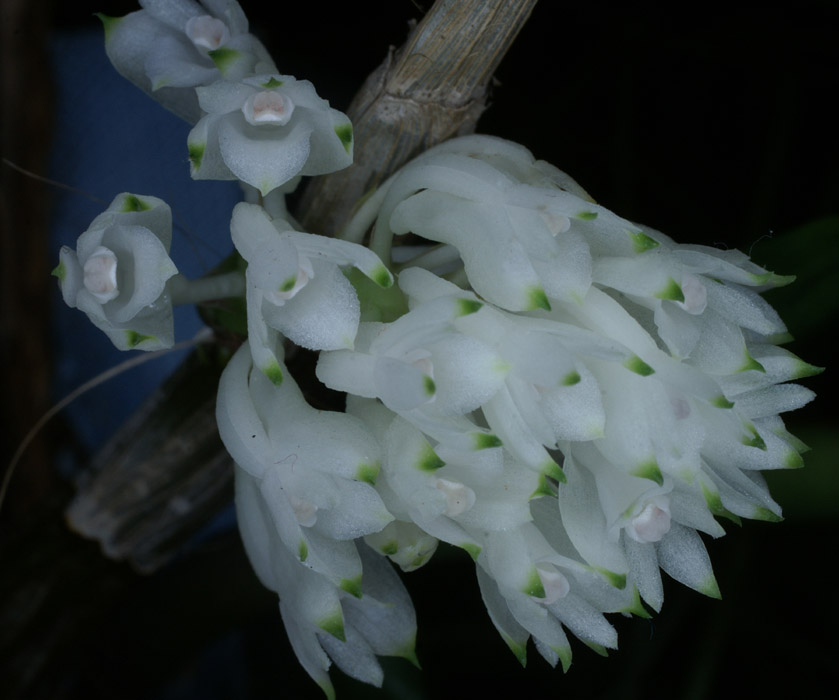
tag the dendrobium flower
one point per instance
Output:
(509, 217)
(119, 272)
(172, 46)
(265, 130)
(304, 496)
(295, 286)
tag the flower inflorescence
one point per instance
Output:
(569, 397)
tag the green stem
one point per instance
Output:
(186, 291)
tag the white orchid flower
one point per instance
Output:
(323, 621)
(314, 469)
(172, 46)
(422, 368)
(266, 130)
(525, 231)
(304, 496)
(295, 286)
(453, 495)
(530, 588)
(119, 272)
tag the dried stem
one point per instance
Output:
(431, 89)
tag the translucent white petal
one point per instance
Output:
(644, 571)
(341, 253)
(496, 263)
(175, 63)
(584, 621)
(263, 156)
(354, 656)
(513, 634)
(352, 372)
(224, 96)
(323, 315)
(467, 373)
(682, 555)
(584, 521)
(148, 268)
(506, 421)
(745, 308)
(384, 615)
(773, 400)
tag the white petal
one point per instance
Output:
(682, 555)
(496, 263)
(265, 157)
(323, 315)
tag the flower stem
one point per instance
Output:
(365, 215)
(186, 291)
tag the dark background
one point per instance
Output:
(714, 126)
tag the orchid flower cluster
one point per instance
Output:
(567, 396)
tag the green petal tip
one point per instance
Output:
(274, 372)
(334, 624)
(382, 277)
(641, 242)
(552, 469)
(389, 548)
(649, 470)
(534, 586)
(133, 338)
(60, 271)
(537, 299)
(564, 654)
(710, 588)
(615, 579)
(485, 441)
(721, 402)
(224, 58)
(545, 488)
(571, 378)
(344, 133)
(751, 363)
(132, 202)
(196, 155)
(804, 369)
(465, 307)
(519, 650)
(368, 473)
(108, 24)
(352, 586)
(754, 440)
(428, 460)
(793, 460)
(671, 292)
(472, 549)
(637, 365)
(761, 513)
